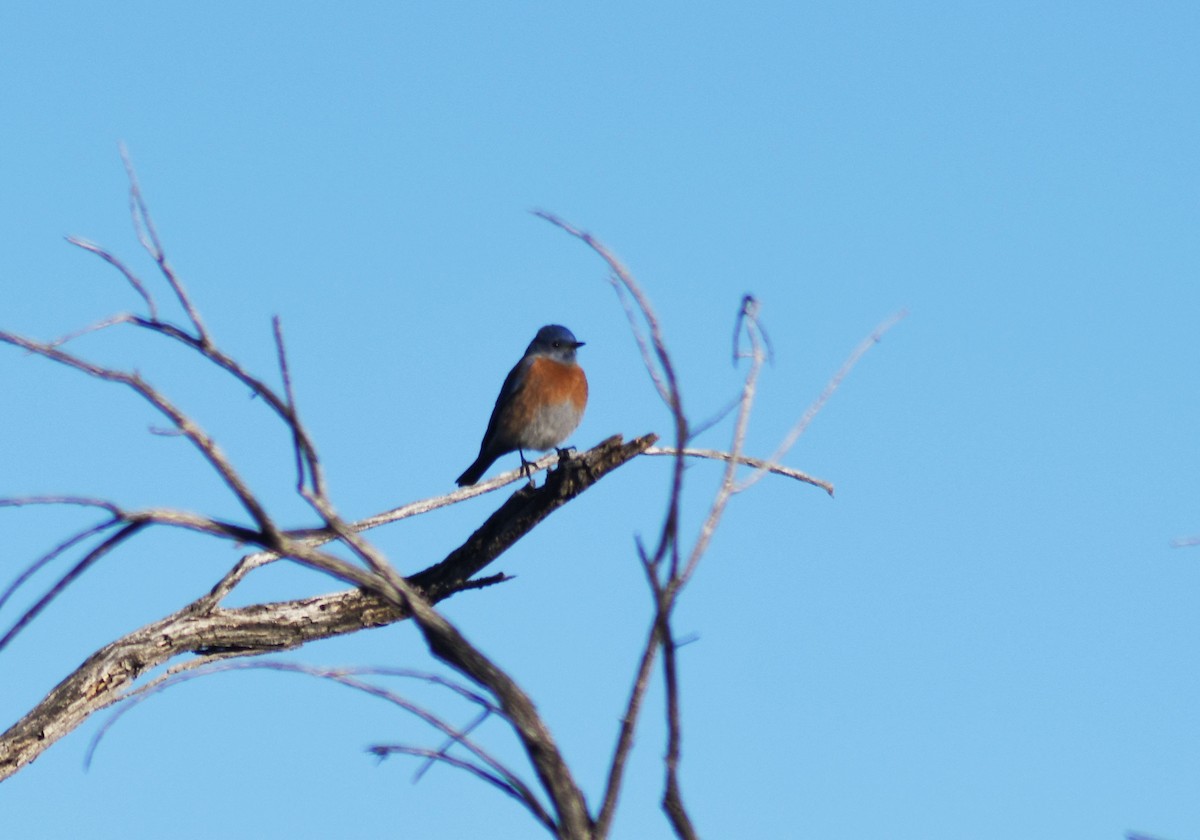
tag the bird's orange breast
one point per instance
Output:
(553, 383)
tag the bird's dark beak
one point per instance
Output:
(580, 343)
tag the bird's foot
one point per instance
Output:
(526, 468)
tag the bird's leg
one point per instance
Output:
(526, 469)
(564, 452)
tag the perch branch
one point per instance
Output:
(204, 628)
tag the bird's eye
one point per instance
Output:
(557, 345)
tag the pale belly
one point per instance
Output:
(551, 426)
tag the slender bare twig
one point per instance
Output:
(119, 517)
(123, 318)
(629, 719)
(668, 386)
(307, 461)
(661, 369)
(667, 593)
(75, 501)
(448, 644)
(749, 308)
(129, 522)
(148, 237)
(298, 550)
(715, 418)
(383, 750)
(168, 517)
(653, 349)
(224, 361)
(748, 320)
(450, 741)
(747, 461)
(831, 386)
(66, 545)
(629, 306)
(196, 435)
(488, 765)
(672, 800)
(138, 285)
(666, 590)
(79, 568)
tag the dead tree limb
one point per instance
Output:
(381, 595)
(206, 629)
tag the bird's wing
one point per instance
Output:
(512, 385)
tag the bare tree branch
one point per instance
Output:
(352, 678)
(633, 708)
(830, 387)
(661, 370)
(748, 320)
(382, 595)
(746, 461)
(148, 237)
(665, 558)
(672, 801)
(64, 546)
(448, 644)
(134, 280)
(451, 740)
(383, 750)
(79, 568)
(203, 627)
(198, 437)
(654, 350)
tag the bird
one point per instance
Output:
(540, 403)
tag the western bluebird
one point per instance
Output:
(540, 403)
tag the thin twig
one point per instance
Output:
(749, 308)
(831, 386)
(67, 544)
(667, 385)
(446, 745)
(71, 501)
(198, 437)
(448, 644)
(667, 594)
(744, 460)
(138, 285)
(715, 418)
(383, 750)
(305, 451)
(123, 318)
(748, 319)
(75, 571)
(349, 677)
(143, 225)
(624, 745)
(656, 358)
(131, 522)
(672, 801)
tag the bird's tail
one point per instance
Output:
(475, 471)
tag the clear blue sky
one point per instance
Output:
(985, 635)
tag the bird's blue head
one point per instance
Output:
(555, 341)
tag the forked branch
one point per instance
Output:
(380, 594)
